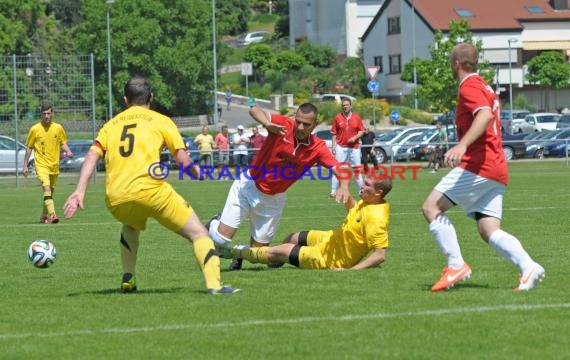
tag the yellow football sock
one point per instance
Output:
(48, 202)
(129, 250)
(256, 255)
(209, 261)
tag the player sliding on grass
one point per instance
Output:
(477, 182)
(289, 145)
(363, 232)
(131, 143)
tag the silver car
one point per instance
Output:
(8, 149)
(389, 143)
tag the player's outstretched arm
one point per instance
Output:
(75, 200)
(376, 257)
(264, 119)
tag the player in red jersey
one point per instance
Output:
(288, 151)
(478, 179)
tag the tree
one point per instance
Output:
(171, 45)
(20, 21)
(434, 77)
(549, 70)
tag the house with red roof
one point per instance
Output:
(512, 32)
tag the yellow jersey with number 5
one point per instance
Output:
(131, 143)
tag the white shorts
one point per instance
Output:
(473, 193)
(244, 199)
(348, 155)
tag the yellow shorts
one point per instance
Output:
(47, 179)
(311, 255)
(164, 205)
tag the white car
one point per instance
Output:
(390, 141)
(8, 156)
(337, 98)
(543, 121)
(251, 37)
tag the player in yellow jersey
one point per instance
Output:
(46, 138)
(359, 243)
(131, 143)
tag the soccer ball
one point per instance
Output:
(42, 253)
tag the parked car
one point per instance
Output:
(514, 146)
(538, 147)
(406, 150)
(559, 145)
(384, 147)
(326, 135)
(79, 148)
(534, 146)
(336, 98)
(8, 149)
(513, 122)
(423, 150)
(252, 37)
(564, 121)
(543, 121)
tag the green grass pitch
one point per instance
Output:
(74, 310)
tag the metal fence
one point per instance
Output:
(66, 81)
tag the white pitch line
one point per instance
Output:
(65, 223)
(311, 319)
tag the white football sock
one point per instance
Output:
(511, 249)
(218, 239)
(446, 238)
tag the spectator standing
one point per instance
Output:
(241, 142)
(441, 147)
(256, 140)
(347, 128)
(229, 96)
(205, 143)
(367, 148)
(222, 142)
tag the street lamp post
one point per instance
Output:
(510, 79)
(109, 84)
(414, 54)
(215, 65)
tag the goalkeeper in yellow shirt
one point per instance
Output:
(135, 190)
(359, 243)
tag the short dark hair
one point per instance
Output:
(46, 106)
(307, 108)
(138, 91)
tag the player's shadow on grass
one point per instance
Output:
(259, 269)
(139, 292)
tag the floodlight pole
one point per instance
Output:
(511, 80)
(109, 80)
(414, 54)
(214, 64)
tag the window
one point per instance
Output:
(535, 9)
(378, 62)
(464, 12)
(395, 67)
(393, 25)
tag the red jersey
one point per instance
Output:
(485, 155)
(345, 127)
(282, 159)
(222, 142)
